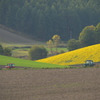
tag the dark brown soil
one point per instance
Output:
(50, 84)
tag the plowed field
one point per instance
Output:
(50, 84)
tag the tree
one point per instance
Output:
(37, 52)
(97, 33)
(73, 44)
(86, 37)
(56, 39)
(50, 44)
(7, 51)
(1, 50)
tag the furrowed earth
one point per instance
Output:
(47, 84)
(50, 84)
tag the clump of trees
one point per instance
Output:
(90, 35)
(5, 51)
(55, 42)
(37, 52)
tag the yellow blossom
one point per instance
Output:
(78, 56)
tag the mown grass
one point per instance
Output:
(59, 49)
(27, 63)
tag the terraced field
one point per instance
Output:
(50, 84)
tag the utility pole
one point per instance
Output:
(70, 33)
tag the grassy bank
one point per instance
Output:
(27, 63)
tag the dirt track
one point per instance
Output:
(50, 84)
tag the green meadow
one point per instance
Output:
(27, 63)
(22, 49)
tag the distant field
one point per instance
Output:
(59, 49)
(12, 38)
(24, 51)
(8, 38)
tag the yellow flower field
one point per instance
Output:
(76, 56)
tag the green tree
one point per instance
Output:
(50, 44)
(7, 51)
(86, 37)
(37, 52)
(73, 44)
(97, 33)
(56, 39)
(1, 50)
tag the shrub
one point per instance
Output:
(37, 52)
(7, 51)
(62, 51)
(73, 44)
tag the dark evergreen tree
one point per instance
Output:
(45, 18)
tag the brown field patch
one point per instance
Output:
(50, 84)
(11, 38)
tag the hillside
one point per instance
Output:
(9, 37)
(76, 56)
(45, 18)
(19, 63)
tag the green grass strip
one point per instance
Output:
(27, 63)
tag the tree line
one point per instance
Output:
(90, 35)
(45, 18)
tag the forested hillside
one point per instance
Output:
(45, 18)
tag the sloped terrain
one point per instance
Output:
(25, 63)
(49, 84)
(78, 56)
(8, 37)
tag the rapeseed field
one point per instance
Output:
(78, 56)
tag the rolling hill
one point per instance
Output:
(9, 37)
(25, 63)
(76, 56)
